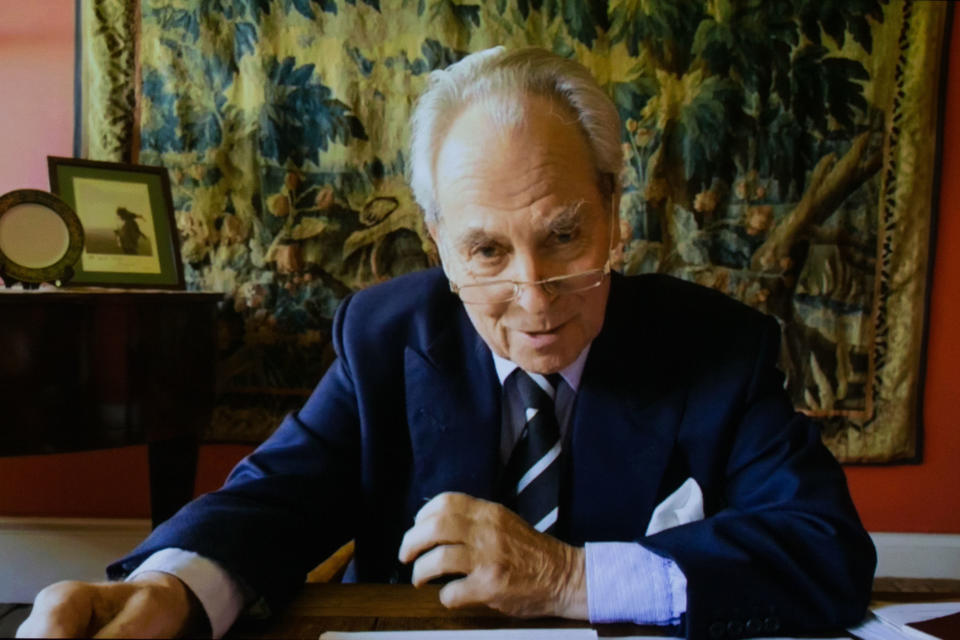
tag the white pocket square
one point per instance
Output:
(680, 507)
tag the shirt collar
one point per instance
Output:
(571, 374)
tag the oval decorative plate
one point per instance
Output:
(41, 237)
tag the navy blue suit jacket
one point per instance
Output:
(681, 382)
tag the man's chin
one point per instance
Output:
(543, 361)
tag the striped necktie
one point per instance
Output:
(531, 485)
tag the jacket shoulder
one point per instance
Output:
(404, 310)
(674, 298)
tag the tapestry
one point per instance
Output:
(782, 152)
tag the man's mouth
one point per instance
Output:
(542, 337)
(547, 331)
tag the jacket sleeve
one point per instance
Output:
(286, 506)
(785, 552)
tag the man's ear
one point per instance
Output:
(435, 236)
(615, 217)
(617, 238)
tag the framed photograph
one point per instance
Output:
(130, 235)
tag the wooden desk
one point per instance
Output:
(93, 369)
(368, 607)
(365, 607)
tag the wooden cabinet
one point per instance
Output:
(94, 369)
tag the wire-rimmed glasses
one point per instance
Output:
(499, 291)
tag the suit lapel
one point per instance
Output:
(454, 415)
(623, 429)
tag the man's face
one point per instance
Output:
(523, 204)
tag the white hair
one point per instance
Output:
(497, 78)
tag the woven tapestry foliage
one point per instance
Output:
(780, 151)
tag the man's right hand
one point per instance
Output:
(153, 605)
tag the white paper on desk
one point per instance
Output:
(916, 611)
(465, 634)
(889, 622)
(873, 628)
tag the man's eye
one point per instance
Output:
(565, 236)
(487, 251)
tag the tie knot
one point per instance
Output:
(535, 389)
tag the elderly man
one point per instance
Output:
(548, 437)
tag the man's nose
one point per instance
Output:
(533, 297)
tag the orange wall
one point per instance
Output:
(36, 54)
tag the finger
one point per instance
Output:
(444, 560)
(61, 610)
(42, 626)
(147, 613)
(467, 591)
(442, 502)
(442, 528)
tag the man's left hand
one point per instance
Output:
(506, 564)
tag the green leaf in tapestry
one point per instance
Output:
(170, 20)
(437, 56)
(584, 18)
(632, 97)
(160, 133)
(305, 7)
(262, 7)
(836, 17)
(245, 40)
(229, 9)
(301, 117)
(826, 86)
(370, 3)
(705, 133)
(200, 118)
(844, 89)
(450, 17)
(364, 64)
(782, 151)
(467, 13)
(664, 28)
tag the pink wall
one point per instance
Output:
(36, 90)
(36, 57)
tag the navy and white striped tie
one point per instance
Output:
(532, 477)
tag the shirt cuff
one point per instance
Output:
(218, 593)
(626, 582)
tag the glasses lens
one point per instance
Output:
(504, 291)
(576, 282)
(487, 292)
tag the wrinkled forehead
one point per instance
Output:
(542, 164)
(471, 226)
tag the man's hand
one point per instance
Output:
(505, 563)
(154, 605)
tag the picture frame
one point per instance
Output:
(130, 233)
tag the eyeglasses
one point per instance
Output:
(497, 291)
